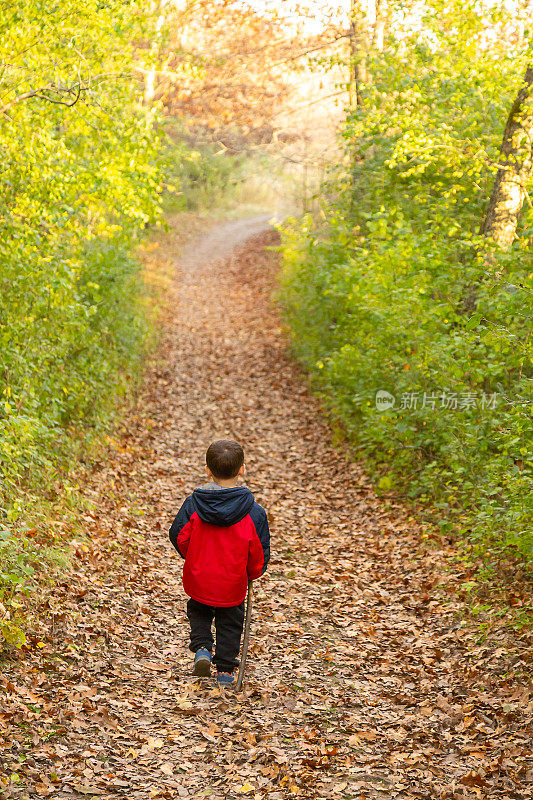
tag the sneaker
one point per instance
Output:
(202, 663)
(225, 679)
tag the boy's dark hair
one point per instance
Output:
(224, 458)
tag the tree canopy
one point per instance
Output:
(79, 177)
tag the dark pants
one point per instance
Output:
(228, 626)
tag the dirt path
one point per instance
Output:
(361, 683)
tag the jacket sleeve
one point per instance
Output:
(259, 554)
(180, 532)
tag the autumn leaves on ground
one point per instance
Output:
(362, 679)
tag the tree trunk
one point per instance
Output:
(378, 36)
(151, 73)
(514, 169)
(359, 46)
(367, 31)
(358, 71)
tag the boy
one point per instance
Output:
(222, 534)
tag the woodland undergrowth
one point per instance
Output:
(418, 343)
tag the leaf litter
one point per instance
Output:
(363, 679)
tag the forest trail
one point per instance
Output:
(361, 681)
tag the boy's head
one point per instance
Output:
(225, 460)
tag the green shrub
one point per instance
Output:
(203, 176)
(80, 179)
(394, 293)
(200, 176)
(73, 337)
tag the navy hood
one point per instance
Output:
(223, 507)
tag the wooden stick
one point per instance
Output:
(246, 642)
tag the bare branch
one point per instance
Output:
(310, 103)
(74, 91)
(306, 52)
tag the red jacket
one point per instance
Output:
(222, 534)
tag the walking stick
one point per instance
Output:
(246, 640)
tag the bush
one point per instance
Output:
(73, 335)
(394, 295)
(80, 179)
